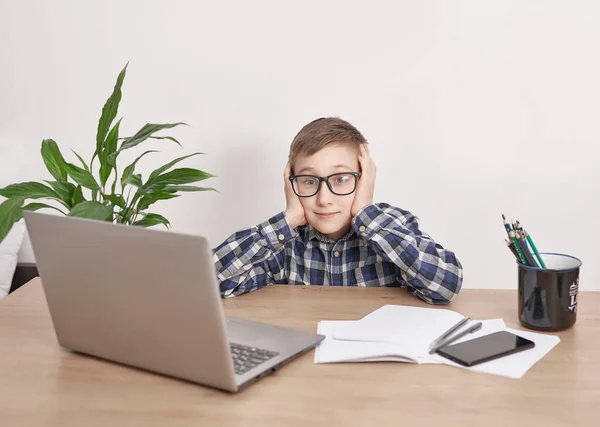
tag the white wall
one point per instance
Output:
(472, 108)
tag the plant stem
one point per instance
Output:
(130, 206)
(124, 210)
(136, 197)
(114, 186)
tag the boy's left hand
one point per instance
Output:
(366, 183)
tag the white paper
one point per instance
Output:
(512, 366)
(404, 334)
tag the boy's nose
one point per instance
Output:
(324, 195)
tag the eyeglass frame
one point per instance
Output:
(325, 179)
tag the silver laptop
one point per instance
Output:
(150, 299)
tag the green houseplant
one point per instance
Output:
(106, 193)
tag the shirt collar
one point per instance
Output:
(314, 234)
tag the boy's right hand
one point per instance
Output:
(294, 211)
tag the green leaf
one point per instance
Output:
(128, 172)
(175, 177)
(109, 111)
(82, 177)
(152, 198)
(28, 190)
(170, 138)
(170, 165)
(135, 179)
(77, 196)
(116, 200)
(10, 212)
(112, 159)
(146, 132)
(112, 139)
(110, 146)
(85, 166)
(65, 191)
(176, 188)
(152, 219)
(55, 162)
(37, 206)
(92, 210)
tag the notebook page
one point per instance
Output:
(331, 351)
(413, 329)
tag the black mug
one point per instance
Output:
(548, 296)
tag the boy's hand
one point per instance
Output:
(294, 211)
(366, 184)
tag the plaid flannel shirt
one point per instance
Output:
(383, 248)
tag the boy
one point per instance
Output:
(331, 233)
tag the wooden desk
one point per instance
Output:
(43, 385)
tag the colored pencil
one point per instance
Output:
(513, 237)
(506, 224)
(512, 248)
(526, 250)
(537, 254)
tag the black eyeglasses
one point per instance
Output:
(341, 184)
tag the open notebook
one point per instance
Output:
(404, 334)
(393, 332)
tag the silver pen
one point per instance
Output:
(448, 332)
(461, 334)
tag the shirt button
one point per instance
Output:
(362, 228)
(281, 237)
(336, 253)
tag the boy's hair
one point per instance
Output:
(320, 132)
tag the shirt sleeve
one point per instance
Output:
(431, 272)
(253, 258)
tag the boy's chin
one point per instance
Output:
(331, 229)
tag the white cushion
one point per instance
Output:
(26, 252)
(9, 249)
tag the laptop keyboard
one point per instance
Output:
(246, 357)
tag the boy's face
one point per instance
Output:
(325, 211)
